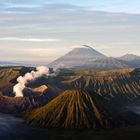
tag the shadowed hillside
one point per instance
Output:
(33, 99)
(8, 75)
(122, 86)
(80, 109)
(86, 98)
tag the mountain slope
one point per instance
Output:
(8, 75)
(122, 86)
(129, 57)
(79, 109)
(106, 64)
(77, 57)
(34, 98)
(131, 60)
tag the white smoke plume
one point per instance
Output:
(23, 80)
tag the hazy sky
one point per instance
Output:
(39, 31)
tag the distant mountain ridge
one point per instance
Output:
(87, 57)
(10, 63)
(129, 57)
(131, 60)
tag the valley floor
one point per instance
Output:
(12, 128)
(129, 133)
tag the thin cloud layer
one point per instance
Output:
(61, 24)
(28, 39)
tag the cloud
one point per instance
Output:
(127, 6)
(29, 39)
(62, 25)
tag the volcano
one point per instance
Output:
(129, 57)
(79, 56)
(87, 57)
(131, 60)
(79, 109)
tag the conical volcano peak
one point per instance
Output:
(87, 46)
(84, 51)
(82, 47)
(78, 57)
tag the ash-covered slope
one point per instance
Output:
(35, 95)
(121, 86)
(8, 75)
(78, 57)
(80, 109)
(33, 98)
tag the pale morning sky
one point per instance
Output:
(39, 31)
